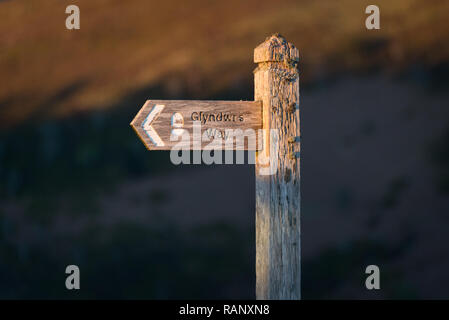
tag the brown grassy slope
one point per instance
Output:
(125, 45)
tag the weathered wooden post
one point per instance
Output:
(276, 84)
(162, 123)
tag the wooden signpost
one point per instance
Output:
(277, 170)
(158, 120)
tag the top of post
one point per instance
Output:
(275, 48)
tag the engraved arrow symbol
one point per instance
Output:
(146, 125)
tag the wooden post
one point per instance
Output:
(276, 84)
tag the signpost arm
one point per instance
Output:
(276, 84)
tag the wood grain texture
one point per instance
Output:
(278, 195)
(271, 51)
(215, 116)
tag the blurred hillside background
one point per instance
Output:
(78, 187)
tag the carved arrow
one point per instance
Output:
(146, 125)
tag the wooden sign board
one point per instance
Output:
(163, 124)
